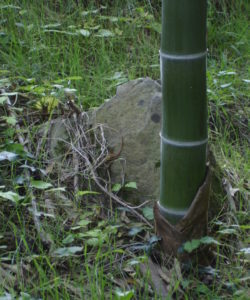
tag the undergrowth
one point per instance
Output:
(85, 249)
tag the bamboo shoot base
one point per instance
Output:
(192, 226)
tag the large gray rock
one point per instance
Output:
(135, 114)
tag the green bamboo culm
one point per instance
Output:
(184, 107)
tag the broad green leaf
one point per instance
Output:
(137, 260)
(69, 239)
(84, 32)
(223, 73)
(10, 6)
(104, 33)
(124, 295)
(10, 120)
(155, 26)
(3, 99)
(191, 245)
(110, 18)
(134, 231)
(4, 72)
(14, 197)
(67, 251)
(245, 250)
(41, 185)
(194, 244)
(209, 240)
(83, 223)
(118, 31)
(131, 185)
(69, 91)
(4, 82)
(116, 76)
(116, 187)
(31, 168)
(88, 12)
(148, 212)
(94, 242)
(223, 86)
(6, 155)
(18, 149)
(27, 88)
(94, 233)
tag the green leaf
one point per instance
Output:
(10, 120)
(148, 213)
(84, 32)
(131, 185)
(155, 26)
(94, 233)
(10, 6)
(192, 245)
(83, 223)
(104, 33)
(94, 242)
(53, 25)
(87, 12)
(116, 187)
(245, 250)
(134, 231)
(17, 148)
(110, 18)
(14, 197)
(244, 227)
(138, 260)
(124, 295)
(4, 82)
(116, 76)
(223, 86)
(228, 231)
(5, 155)
(69, 239)
(209, 240)
(67, 251)
(3, 99)
(84, 193)
(41, 185)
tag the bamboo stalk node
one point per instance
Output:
(184, 144)
(189, 56)
(192, 226)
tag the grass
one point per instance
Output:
(93, 48)
(57, 52)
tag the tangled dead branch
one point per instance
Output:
(85, 154)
